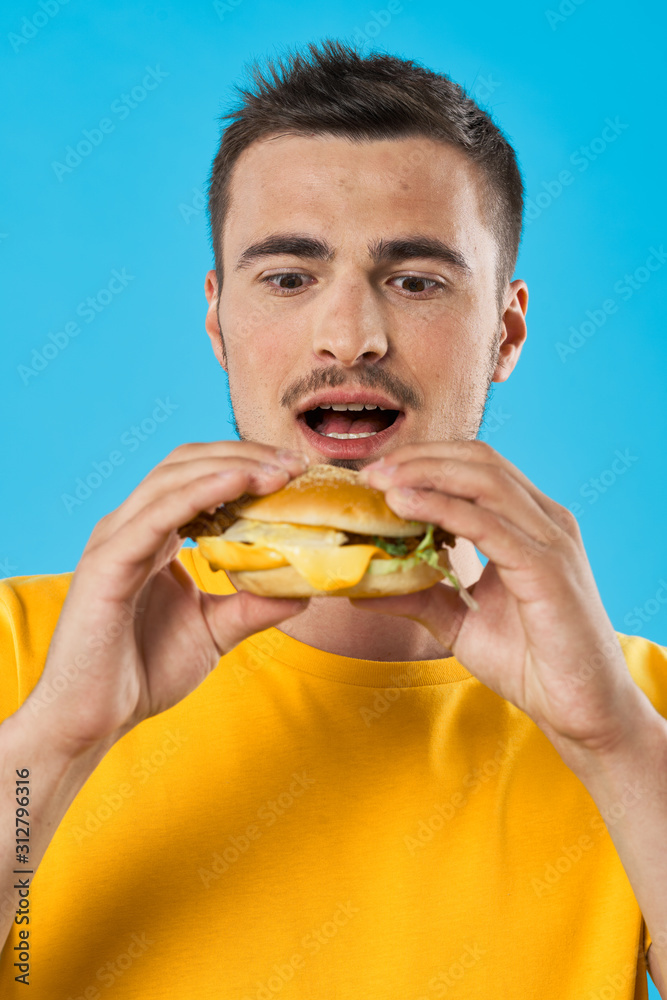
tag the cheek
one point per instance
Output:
(253, 339)
(261, 354)
(455, 343)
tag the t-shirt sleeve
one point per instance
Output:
(647, 663)
(8, 654)
(647, 938)
(29, 610)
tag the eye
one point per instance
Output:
(418, 286)
(291, 282)
(288, 282)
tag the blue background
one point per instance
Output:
(136, 203)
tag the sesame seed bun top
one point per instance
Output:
(332, 497)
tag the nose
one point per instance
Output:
(350, 326)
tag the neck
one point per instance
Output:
(335, 626)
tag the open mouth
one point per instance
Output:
(349, 421)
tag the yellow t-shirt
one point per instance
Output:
(306, 825)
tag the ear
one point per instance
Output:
(212, 325)
(513, 331)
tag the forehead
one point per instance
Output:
(357, 190)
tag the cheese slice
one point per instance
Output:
(332, 568)
(237, 556)
(317, 553)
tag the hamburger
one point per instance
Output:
(324, 533)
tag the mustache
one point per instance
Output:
(367, 378)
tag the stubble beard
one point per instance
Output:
(477, 404)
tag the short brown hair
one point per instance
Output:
(333, 89)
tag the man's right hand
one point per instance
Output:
(134, 637)
(135, 634)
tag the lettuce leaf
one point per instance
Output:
(393, 548)
(425, 552)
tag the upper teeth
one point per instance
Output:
(351, 406)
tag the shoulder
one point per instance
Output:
(30, 606)
(29, 611)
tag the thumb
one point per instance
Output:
(232, 618)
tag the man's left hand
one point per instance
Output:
(541, 638)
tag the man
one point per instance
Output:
(247, 797)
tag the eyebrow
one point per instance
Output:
(381, 251)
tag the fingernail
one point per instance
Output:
(285, 455)
(272, 470)
(385, 472)
(405, 491)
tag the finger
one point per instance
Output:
(295, 462)
(121, 563)
(165, 478)
(506, 544)
(488, 485)
(479, 451)
(234, 617)
(242, 449)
